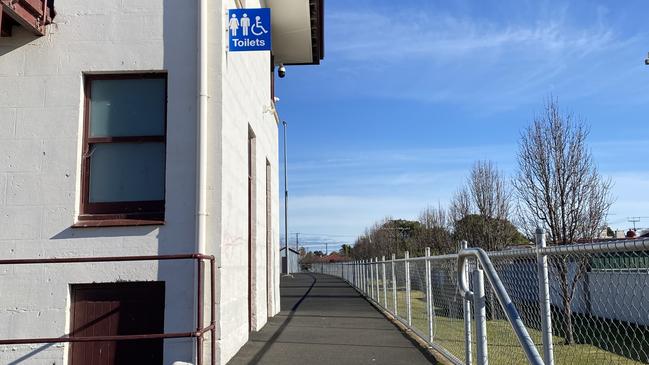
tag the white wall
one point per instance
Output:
(40, 144)
(40, 140)
(241, 84)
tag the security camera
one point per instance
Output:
(646, 60)
(281, 71)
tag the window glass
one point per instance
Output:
(127, 107)
(122, 172)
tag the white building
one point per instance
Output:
(127, 128)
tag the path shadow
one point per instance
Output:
(260, 354)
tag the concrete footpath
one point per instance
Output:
(325, 321)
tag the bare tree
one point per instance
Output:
(480, 210)
(433, 217)
(460, 205)
(434, 230)
(559, 187)
(489, 190)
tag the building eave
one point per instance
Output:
(298, 31)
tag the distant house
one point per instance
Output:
(293, 260)
(335, 257)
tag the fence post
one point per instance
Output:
(365, 277)
(385, 284)
(364, 271)
(468, 354)
(480, 316)
(429, 296)
(376, 272)
(372, 269)
(360, 275)
(368, 287)
(355, 273)
(544, 298)
(394, 285)
(408, 306)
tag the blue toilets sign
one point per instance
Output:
(249, 29)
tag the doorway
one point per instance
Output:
(109, 309)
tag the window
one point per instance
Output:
(123, 172)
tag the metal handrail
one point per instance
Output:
(199, 333)
(509, 308)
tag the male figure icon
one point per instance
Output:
(245, 24)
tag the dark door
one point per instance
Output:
(117, 309)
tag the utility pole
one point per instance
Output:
(326, 248)
(635, 220)
(297, 241)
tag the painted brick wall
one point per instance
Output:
(40, 131)
(243, 84)
(40, 147)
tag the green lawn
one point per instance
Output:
(503, 345)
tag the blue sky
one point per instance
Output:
(409, 96)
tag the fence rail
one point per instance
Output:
(579, 304)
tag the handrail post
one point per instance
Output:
(408, 306)
(468, 356)
(385, 284)
(394, 285)
(480, 315)
(200, 269)
(544, 298)
(429, 296)
(506, 303)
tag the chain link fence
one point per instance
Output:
(580, 304)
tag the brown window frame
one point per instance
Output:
(117, 213)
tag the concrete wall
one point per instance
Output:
(40, 142)
(40, 149)
(245, 96)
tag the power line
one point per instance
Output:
(635, 220)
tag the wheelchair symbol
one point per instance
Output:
(257, 25)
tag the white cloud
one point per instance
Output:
(480, 63)
(400, 35)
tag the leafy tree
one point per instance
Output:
(479, 230)
(345, 250)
